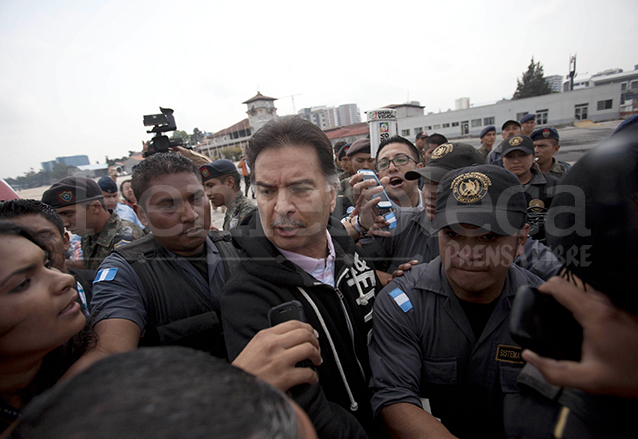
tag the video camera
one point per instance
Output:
(162, 123)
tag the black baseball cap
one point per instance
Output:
(545, 133)
(510, 122)
(217, 169)
(72, 190)
(528, 117)
(486, 196)
(445, 158)
(519, 142)
(421, 135)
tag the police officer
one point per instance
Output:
(419, 141)
(221, 184)
(528, 123)
(488, 138)
(112, 201)
(80, 204)
(441, 331)
(510, 128)
(518, 157)
(546, 144)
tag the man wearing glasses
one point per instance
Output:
(395, 157)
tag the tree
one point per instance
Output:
(197, 136)
(182, 135)
(533, 82)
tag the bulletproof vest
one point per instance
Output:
(178, 313)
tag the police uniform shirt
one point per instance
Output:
(118, 292)
(424, 347)
(540, 187)
(240, 207)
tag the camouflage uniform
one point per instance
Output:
(115, 234)
(483, 150)
(559, 169)
(237, 211)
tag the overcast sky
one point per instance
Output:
(78, 75)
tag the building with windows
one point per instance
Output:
(329, 117)
(555, 82)
(594, 103)
(348, 114)
(261, 109)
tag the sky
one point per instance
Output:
(78, 75)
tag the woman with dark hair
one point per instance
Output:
(42, 328)
(127, 193)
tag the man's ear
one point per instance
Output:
(96, 206)
(556, 148)
(522, 240)
(67, 240)
(141, 214)
(230, 182)
(419, 165)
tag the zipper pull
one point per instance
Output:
(339, 293)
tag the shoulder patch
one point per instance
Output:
(105, 275)
(121, 243)
(401, 299)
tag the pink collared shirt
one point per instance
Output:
(321, 269)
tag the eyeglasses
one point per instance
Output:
(400, 160)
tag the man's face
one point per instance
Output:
(346, 165)
(220, 193)
(476, 262)
(293, 199)
(544, 150)
(528, 127)
(489, 139)
(361, 160)
(399, 187)
(511, 130)
(78, 219)
(429, 197)
(518, 162)
(429, 148)
(177, 212)
(48, 234)
(111, 200)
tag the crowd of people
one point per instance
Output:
(166, 327)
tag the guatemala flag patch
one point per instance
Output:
(401, 299)
(106, 274)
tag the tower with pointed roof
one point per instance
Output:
(261, 109)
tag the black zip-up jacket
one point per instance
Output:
(339, 405)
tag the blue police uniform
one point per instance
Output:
(423, 346)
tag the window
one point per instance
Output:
(623, 87)
(429, 127)
(446, 125)
(488, 121)
(541, 117)
(580, 111)
(605, 105)
(634, 85)
(437, 126)
(455, 124)
(476, 123)
(519, 116)
(405, 133)
(418, 130)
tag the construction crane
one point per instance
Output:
(292, 97)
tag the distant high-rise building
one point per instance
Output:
(73, 160)
(556, 83)
(348, 114)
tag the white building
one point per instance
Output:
(348, 114)
(330, 117)
(462, 103)
(595, 103)
(261, 109)
(556, 83)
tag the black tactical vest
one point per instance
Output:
(178, 313)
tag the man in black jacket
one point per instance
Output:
(164, 288)
(293, 250)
